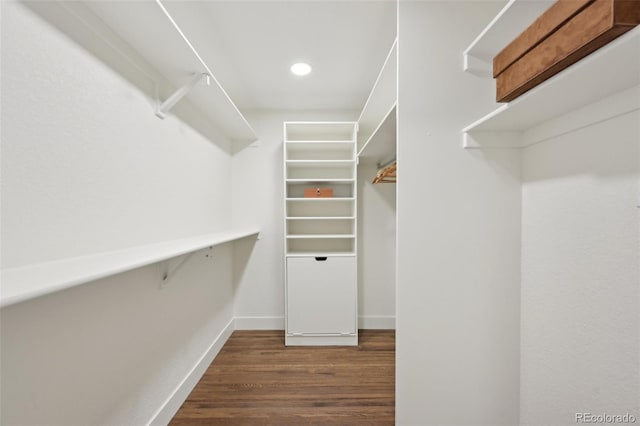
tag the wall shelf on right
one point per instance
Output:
(601, 86)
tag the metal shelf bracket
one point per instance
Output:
(165, 106)
(168, 275)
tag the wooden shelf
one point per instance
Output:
(608, 75)
(319, 131)
(381, 101)
(31, 281)
(381, 145)
(131, 30)
(514, 18)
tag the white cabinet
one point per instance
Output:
(321, 295)
(320, 233)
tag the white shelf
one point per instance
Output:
(320, 217)
(611, 70)
(319, 131)
(321, 199)
(319, 163)
(137, 25)
(320, 180)
(320, 254)
(381, 146)
(514, 18)
(320, 144)
(316, 236)
(31, 281)
(382, 99)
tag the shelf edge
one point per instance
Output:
(29, 274)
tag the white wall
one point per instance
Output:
(87, 167)
(581, 274)
(457, 347)
(257, 198)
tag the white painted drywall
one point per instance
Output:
(87, 167)
(376, 250)
(257, 199)
(581, 275)
(458, 288)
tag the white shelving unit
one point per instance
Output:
(131, 31)
(31, 281)
(320, 233)
(600, 86)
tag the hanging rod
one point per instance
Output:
(387, 174)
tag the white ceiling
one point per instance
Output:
(249, 46)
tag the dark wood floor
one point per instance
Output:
(256, 380)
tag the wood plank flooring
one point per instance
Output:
(256, 380)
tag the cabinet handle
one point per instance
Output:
(321, 259)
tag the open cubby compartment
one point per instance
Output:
(328, 207)
(309, 150)
(320, 131)
(320, 227)
(320, 245)
(340, 189)
(316, 171)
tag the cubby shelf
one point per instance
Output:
(320, 217)
(320, 180)
(31, 281)
(319, 163)
(314, 236)
(611, 73)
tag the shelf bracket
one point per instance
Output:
(170, 274)
(165, 106)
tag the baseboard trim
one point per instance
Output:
(380, 322)
(171, 406)
(259, 323)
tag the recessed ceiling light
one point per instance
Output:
(301, 68)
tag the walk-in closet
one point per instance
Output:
(410, 212)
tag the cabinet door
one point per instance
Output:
(321, 295)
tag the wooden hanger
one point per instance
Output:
(387, 174)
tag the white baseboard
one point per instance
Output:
(259, 323)
(277, 323)
(171, 406)
(377, 322)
